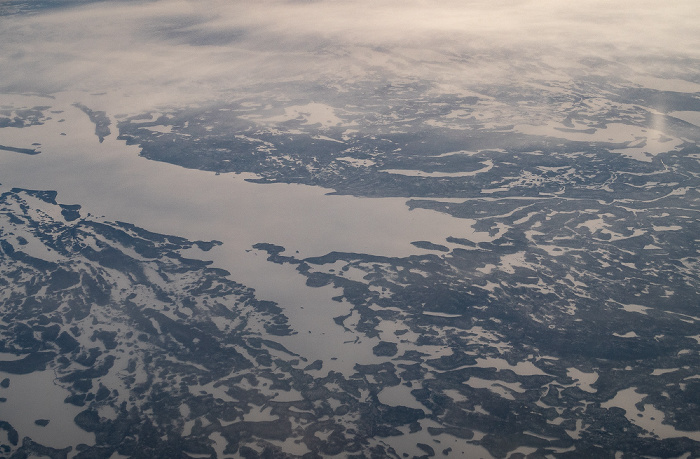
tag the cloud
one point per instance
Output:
(173, 51)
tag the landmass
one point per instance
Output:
(99, 118)
(24, 151)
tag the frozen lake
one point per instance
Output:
(110, 180)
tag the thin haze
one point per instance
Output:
(174, 51)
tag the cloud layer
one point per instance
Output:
(169, 51)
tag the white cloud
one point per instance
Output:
(171, 51)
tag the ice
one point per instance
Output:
(417, 173)
(663, 371)
(583, 380)
(688, 116)
(649, 418)
(524, 368)
(501, 388)
(312, 113)
(636, 308)
(159, 128)
(357, 162)
(630, 334)
(36, 396)
(642, 143)
(399, 396)
(440, 314)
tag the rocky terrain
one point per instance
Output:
(349, 229)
